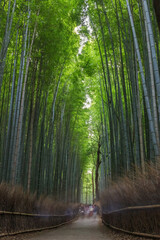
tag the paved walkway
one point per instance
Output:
(82, 229)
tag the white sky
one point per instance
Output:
(88, 102)
(83, 41)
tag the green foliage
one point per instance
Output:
(72, 100)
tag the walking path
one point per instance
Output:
(82, 229)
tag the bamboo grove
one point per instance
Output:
(127, 39)
(39, 140)
(48, 137)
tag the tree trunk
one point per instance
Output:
(20, 119)
(147, 102)
(93, 184)
(156, 4)
(4, 48)
(153, 50)
(97, 169)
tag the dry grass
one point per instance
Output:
(136, 189)
(14, 199)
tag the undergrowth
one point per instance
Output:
(135, 189)
(14, 199)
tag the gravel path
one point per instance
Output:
(82, 229)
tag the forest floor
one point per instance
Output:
(82, 229)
